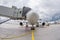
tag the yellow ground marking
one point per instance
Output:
(32, 34)
(17, 36)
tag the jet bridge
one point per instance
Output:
(13, 12)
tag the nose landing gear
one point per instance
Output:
(32, 28)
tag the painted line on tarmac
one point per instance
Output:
(32, 34)
(18, 36)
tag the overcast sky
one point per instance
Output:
(45, 8)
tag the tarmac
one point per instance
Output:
(11, 30)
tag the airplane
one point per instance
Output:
(31, 17)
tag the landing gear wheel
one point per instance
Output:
(37, 25)
(32, 28)
(26, 25)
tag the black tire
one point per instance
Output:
(37, 25)
(26, 25)
(32, 28)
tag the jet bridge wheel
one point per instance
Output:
(32, 28)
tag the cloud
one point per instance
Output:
(45, 8)
(9, 3)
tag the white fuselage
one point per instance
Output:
(32, 17)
